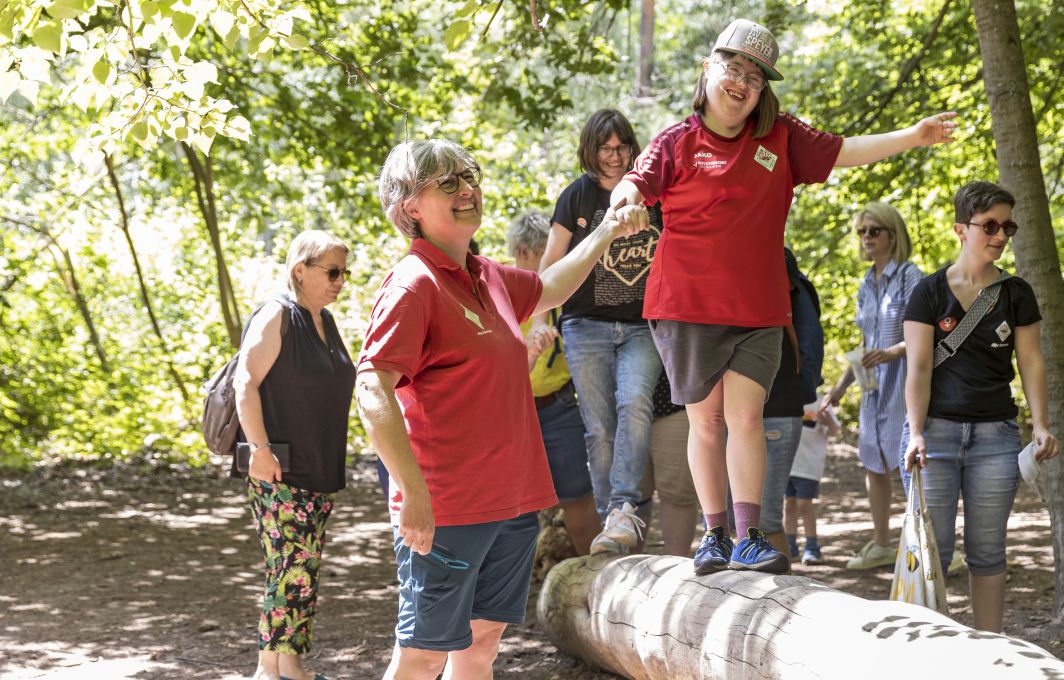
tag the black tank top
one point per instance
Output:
(306, 400)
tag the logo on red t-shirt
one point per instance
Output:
(947, 324)
(765, 157)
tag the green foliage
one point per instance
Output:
(298, 105)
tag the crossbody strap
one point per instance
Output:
(984, 302)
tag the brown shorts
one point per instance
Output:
(667, 470)
(696, 355)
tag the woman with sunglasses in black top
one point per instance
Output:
(961, 427)
(293, 390)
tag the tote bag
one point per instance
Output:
(918, 570)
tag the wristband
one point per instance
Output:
(256, 447)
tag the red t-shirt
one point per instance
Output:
(464, 391)
(724, 208)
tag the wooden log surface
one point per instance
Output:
(648, 617)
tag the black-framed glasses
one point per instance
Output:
(448, 184)
(333, 272)
(991, 227)
(621, 150)
(872, 232)
(755, 81)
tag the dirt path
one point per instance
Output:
(121, 574)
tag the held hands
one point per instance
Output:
(539, 338)
(1046, 445)
(916, 452)
(417, 525)
(936, 129)
(264, 466)
(627, 220)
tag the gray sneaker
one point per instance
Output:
(623, 526)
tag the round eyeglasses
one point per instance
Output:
(755, 81)
(448, 184)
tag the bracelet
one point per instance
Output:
(256, 447)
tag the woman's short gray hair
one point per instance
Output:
(306, 248)
(530, 231)
(407, 171)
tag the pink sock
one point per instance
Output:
(718, 519)
(746, 515)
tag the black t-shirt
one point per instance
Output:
(615, 288)
(974, 384)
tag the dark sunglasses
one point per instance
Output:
(991, 227)
(448, 184)
(872, 232)
(333, 272)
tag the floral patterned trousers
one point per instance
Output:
(291, 527)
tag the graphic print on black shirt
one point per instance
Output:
(974, 384)
(615, 288)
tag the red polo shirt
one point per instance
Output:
(724, 205)
(455, 339)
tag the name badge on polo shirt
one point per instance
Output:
(765, 157)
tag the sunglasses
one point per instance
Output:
(872, 232)
(991, 227)
(333, 272)
(448, 184)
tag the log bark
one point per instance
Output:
(650, 618)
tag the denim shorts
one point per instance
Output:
(976, 461)
(800, 487)
(563, 437)
(696, 355)
(475, 571)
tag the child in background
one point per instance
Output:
(803, 487)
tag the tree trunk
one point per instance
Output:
(1037, 261)
(650, 618)
(124, 226)
(203, 178)
(646, 50)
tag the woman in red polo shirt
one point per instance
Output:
(444, 394)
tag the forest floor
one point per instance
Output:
(137, 572)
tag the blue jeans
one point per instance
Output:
(563, 438)
(781, 438)
(615, 368)
(979, 462)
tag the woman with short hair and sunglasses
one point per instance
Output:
(717, 293)
(292, 387)
(881, 301)
(444, 393)
(961, 428)
(611, 355)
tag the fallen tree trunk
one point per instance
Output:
(650, 618)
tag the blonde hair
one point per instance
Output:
(306, 248)
(887, 216)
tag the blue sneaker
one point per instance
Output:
(713, 552)
(755, 553)
(812, 556)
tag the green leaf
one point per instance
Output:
(101, 71)
(140, 131)
(232, 37)
(468, 9)
(183, 24)
(296, 41)
(149, 9)
(457, 33)
(49, 37)
(67, 9)
(7, 23)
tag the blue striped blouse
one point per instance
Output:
(880, 312)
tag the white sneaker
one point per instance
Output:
(873, 555)
(624, 526)
(604, 544)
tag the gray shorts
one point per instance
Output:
(696, 355)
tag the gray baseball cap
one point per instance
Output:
(754, 41)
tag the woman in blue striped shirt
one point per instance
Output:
(881, 301)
